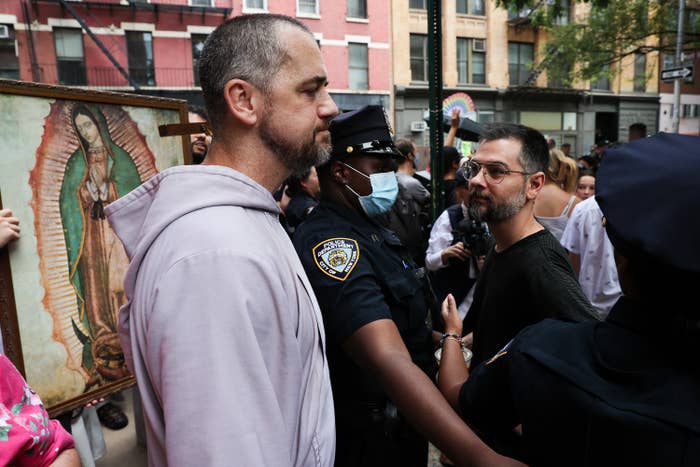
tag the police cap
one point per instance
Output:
(648, 192)
(362, 131)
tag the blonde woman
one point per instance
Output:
(557, 199)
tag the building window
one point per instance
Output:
(197, 46)
(9, 63)
(139, 50)
(640, 72)
(603, 83)
(419, 57)
(417, 4)
(307, 7)
(70, 57)
(690, 111)
(562, 81)
(359, 68)
(255, 4)
(357, 8)
(514, 13)
(563, 17)
(520, 58)
(471, 7)
(471, 61)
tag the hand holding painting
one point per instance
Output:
(9, 227)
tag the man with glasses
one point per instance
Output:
(624, 391)
(527, 276)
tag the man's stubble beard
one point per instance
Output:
(496, 212)
(297, 157)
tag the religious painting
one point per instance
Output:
(68, 153)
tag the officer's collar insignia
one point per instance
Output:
(496, 357)
(337, 257)
(503, 351)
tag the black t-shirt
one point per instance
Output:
(604, 394)
(530, 281)
(361, 273)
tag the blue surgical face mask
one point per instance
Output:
(385, 187)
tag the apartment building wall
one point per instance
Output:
(584, 114)
(172, 26)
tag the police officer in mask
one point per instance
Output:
(375, 301)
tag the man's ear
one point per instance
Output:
(535, 184)
(243, 100)
(339, 172)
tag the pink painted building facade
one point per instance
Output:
(156, 43)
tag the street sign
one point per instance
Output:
(676, 73)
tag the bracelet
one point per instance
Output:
(456, 337)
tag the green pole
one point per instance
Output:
(437, 184)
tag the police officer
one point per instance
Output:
(624, 391)
(303, 190)
(375, 304)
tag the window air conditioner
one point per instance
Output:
(4, 31)
(479, 45)
(418, 126)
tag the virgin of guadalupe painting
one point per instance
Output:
(67, 154)
(99, 155)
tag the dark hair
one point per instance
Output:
(638, 127)
(586, 173)
(566, 145)
(450, 155)
(534, 155)
(294, 183)
(246, 47)
(197, 109)
(405, 147)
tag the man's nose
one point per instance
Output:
(327, 109)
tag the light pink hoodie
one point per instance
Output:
(222, 329)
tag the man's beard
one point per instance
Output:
(495, 212)
(297, 157)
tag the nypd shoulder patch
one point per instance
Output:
(336, 257)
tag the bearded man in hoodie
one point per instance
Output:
(222, 329)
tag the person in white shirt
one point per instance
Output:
(591, 254)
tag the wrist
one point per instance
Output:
(451, 336)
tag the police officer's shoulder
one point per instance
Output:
(329, 244)
(549, 334)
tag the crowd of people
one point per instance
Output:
(287, 292)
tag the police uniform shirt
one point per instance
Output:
(591, 394)
(361, 273)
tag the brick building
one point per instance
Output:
(156, 43)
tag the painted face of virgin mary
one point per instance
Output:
(87, 129)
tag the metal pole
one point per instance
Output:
(437, 184)
(676, 112)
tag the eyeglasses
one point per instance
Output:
(494, 173)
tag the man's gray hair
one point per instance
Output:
(246, 47)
